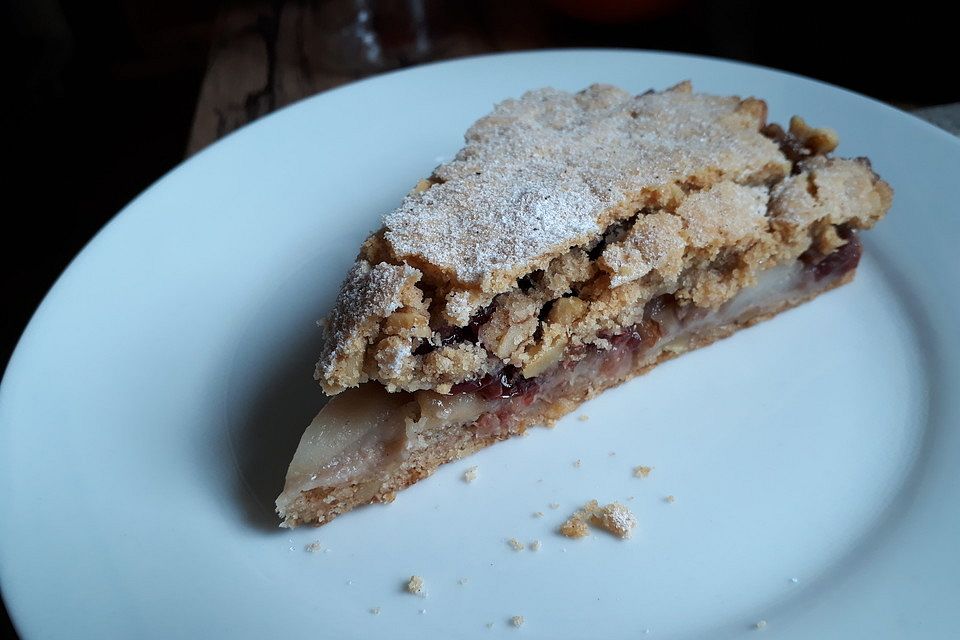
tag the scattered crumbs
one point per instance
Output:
(470, 474)
(794, 580)
(489, 625)
(670, 499)
(554, 505)
(614, 517)
(422, 611)
(462, 581)
(293, 548)
(515, 544)
(517, 621)
(577, 463)
(415, 586)
(538, 514)
(375, 611)
(761, 625)
(642, 472)
(583, 417)
(535, 545)
(313, 547)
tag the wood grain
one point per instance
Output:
(266, 55)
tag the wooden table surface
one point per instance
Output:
(266, 55)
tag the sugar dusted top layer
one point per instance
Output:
(564, 213)
(550, 170)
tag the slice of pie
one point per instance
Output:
(576, 241)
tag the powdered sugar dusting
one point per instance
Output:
(538, 173)
(369, 294)
(617, 519)
(726, 213)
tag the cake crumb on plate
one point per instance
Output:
(515, 544)
(517, 621)
(671, 499)
(538, 514)
(375, 611)
(574, 528)
(615, 518)
(416, 586)
(583, 417)
(313, 547)
(761, 625)
(535, 545)
(470, 474)
(641, 471)
(577, 463)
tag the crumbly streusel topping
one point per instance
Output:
(550, 170)
(565, 212)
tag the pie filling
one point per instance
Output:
(364, 433)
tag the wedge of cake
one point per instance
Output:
(576, 241)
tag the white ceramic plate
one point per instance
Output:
(150, 409)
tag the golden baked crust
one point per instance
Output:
(565, 212)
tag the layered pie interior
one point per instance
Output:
(577, 240)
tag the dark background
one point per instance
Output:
(100, 96)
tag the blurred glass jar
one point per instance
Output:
(366, 36)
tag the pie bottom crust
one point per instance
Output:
(445, 443)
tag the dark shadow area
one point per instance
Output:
(271, 395)
(269, 425)
(98, 102)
